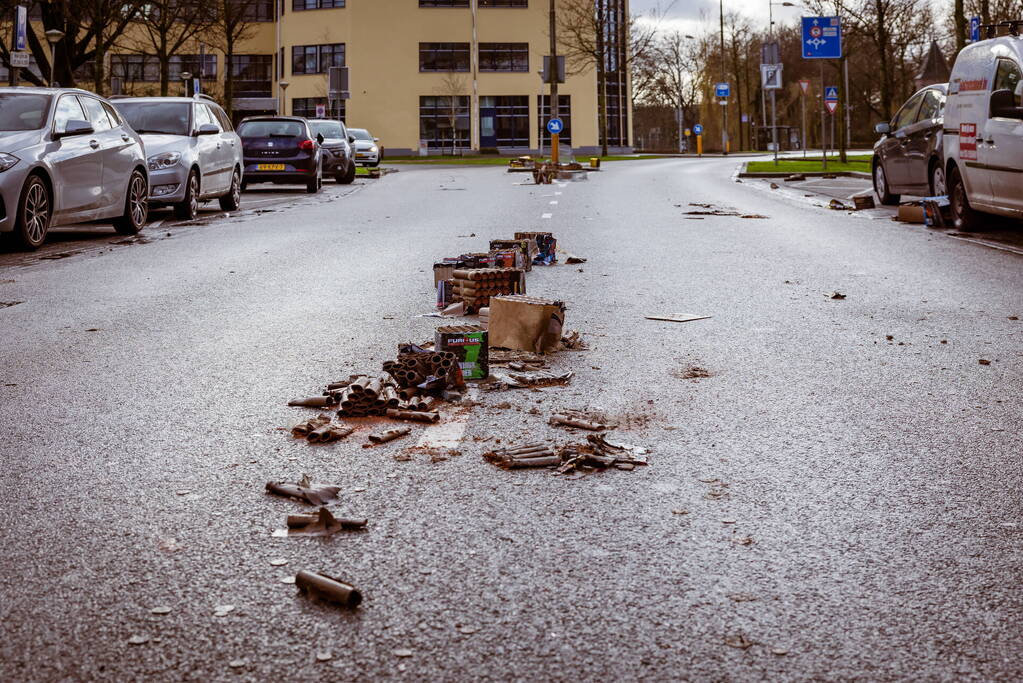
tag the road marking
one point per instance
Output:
(444, 434)
(554, 202)
(556, 194)
(547, 215)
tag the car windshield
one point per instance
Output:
(169, 118)
(328, 129)
(270, 129)
(23, 111)
(360, 134)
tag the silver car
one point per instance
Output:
(337, 149)
(366, 147)
(66, 156)
(193, 153)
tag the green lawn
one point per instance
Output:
(856, 162)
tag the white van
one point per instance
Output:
(984, 130)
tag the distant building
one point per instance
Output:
(935, 68)
(416, 67)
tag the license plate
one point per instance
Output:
(269, 167)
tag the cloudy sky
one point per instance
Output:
(689, 16)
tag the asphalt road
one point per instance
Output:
(840, 497)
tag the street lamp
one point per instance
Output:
(185, 77)
(53, 36)
(282, 105)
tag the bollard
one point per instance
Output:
(327, 588)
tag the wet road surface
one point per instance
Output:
(839, 497)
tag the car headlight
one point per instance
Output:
(6, 161)
(374, 149)
(164, 160)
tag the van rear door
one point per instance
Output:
(1001, 151)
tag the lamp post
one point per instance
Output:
(774, 102)
(53, 36)
(724, 104)
(185, 77)
(283, 103)
(680, 114)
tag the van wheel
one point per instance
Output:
(35, 212)
(881, 185)
(136, 205)
(963, 215)
(937, 175)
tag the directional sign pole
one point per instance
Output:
(824, 146)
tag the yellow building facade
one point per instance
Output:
(439, 75)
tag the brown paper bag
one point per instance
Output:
(525, 323)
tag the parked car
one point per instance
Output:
(984, 130)
(908, 157)
(281, 149)
(192, 151)
(337, 150)
(66, 156)
(367, 151)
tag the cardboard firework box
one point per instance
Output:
(525, 256)
(469, 343)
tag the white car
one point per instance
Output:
(984, 130)
(366, 147)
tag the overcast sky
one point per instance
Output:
(689, 16)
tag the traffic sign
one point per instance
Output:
(555, 126)
(770, 76)
(19, 59)
(21, 28)
(722, 90)
(698, 129)
(822, 37)
(974, 29)
(321, 111)
(805, 85)
(688, 132)
(831, 98)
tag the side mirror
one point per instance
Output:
(207, 129)
(1003, 105)
(376, 139)
(883, 128)
(319, 138)
(1019, 89)
(75, 127)
(351, 139)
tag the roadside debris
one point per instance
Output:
(389, 435)
(596, 453)
(574, 259)
(578, 420)
(412, 415)
(837, 205)
(305, 490)
(710, 210)
(572, 341)
(795, 177)
(526, 323)
(984, 361)
(863, 201)
(321, 523)
(910, 213)
(753, 215)
(739, 641)
(520, 380)
(835, 295)
(328, 588)
(684, 318)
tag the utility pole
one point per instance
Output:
(474, 123)
(552, 73)
(724, 107)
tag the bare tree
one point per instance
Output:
(167, 26)
(667, 74)
(452, 89)
(234, 23)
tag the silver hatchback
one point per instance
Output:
(66, 156)
(194, 155)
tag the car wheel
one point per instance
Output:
(313, 186)
(189, 207)
(964, 217)
(881, 185)
(35, 212)
(348, 176)
(374, 164)
(937, 174)
(233, 199)
(136, 205)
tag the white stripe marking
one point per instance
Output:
(554, 203)
(547, 215)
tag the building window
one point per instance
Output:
(135, 68)
(564, 113)
(443, 3)
(258, 10)
(504, 3)
(190, 63)
(443, 56)
(482, 3)
(444, 122)
(616, 76)
(504, 121)
(316, 59)
(504, 57)
(252, 75)
(306, 106)
(299, 5)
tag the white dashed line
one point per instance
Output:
(556, 194)
(554, 202)
(547, 215)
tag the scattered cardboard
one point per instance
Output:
(685, 318)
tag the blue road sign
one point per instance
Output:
(555, 126)
(822, 37)
(722, 90)
(974, 29)
(20, 28)
(698, 129)
(831, 93)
